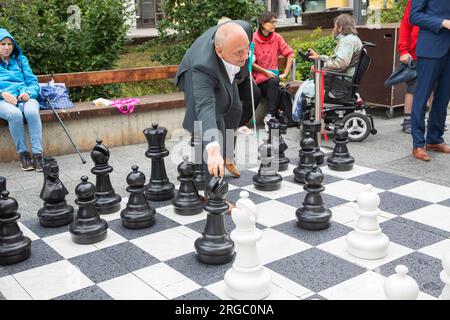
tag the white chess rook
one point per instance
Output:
(367, 241)
(445, 276)
(247, 279)
(400, 286)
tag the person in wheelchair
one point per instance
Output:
(344, 60)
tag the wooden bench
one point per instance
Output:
(86, 122)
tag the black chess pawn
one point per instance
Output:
(280, 147)
(14, 246)
(267, 178)
(306, 161)
(340, 159)
(314, 128)
(138, 214)
(55, 211)
(87, 227)
(2, 183)
(215, 245)
(159, 187)
(200, 168)
(313, 215)
(108, 201)
(187, 202)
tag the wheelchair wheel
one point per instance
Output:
(357, 125)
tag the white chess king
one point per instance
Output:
(367, 241)
(247, 279)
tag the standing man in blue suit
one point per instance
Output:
(433, 72)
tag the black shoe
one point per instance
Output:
(25, 161)
(37, 161)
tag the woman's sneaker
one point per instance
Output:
(25, 161)
(406, 125)
(37, 161)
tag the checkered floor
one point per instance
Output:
(159, 262)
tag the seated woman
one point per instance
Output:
(269, 45)
(344, 60)
(19, 89)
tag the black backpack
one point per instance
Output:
(285, 101)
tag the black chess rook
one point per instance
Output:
(108, 201)
(340, 159)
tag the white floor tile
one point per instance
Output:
(338, 247)
(437, 250)
(113, 216)
(130, 287)
(112, 238)
(434, 215)
(166, 280)
(288, 285)
(52, 280)
(356, 171)
(27, 232)
(287, 189)
(346, 189)
(169, 212)
(169, 243)
(272, 213)
(12, 290)
(63, 244)
(424, 190)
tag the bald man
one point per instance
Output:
(207, 75)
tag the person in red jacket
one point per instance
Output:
(407, 42)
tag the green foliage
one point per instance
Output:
(52, 46)
(321, 44)
(187, 20)
(395, 14)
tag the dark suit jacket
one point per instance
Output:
(203, 78)
(433, 41)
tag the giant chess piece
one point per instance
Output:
(313, 214)
(400, 286)
(280, 147)
(314, 128)
(159, 187)
(87, 227)
(55, 212)
(306, 161)
(340, 159)
(200, 168)
(187, 201)
(2, 183)
(14, 246)
(215, 245)
(108, 201)
(138, 214)
(367, 241)
(445, 276)
(267, 178)
(247, 279)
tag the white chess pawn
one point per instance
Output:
(445, 277)
(247, 279)
(367, 241)
(400, 286)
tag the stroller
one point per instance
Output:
(348, 108)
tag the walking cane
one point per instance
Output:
(65, 130)
(250, 62)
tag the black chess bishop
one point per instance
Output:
(340, 159)
(55, 211)
(267, 178)
(138, 213)
(159, 187)
(108, 201)
(87, 227)
(187, 201)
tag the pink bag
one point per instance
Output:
(126, 105)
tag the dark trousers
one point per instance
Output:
(270, 89)
(430, 73)
(246, 97)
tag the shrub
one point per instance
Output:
(395, 14)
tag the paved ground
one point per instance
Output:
(389, 151)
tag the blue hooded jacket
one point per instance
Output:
(16, 76)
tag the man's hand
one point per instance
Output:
(404, 58)
(215, 162)
(9, 98)
(270, 74)
(24, 97)
(446, 24)
(313, 55)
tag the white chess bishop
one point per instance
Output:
(400, 286)
(445, 276)
(247, 279)
(367, 241)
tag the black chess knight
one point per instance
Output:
(159, 187)
(138, 214)
(340, 159)
(14, 246)
(277, 141)
(267, 178)
(187, 201)
(313, 215)
(55, 212)
(215, 245)
(107, 199)
(87, 227)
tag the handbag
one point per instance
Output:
(404, 72)
(55, 94)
